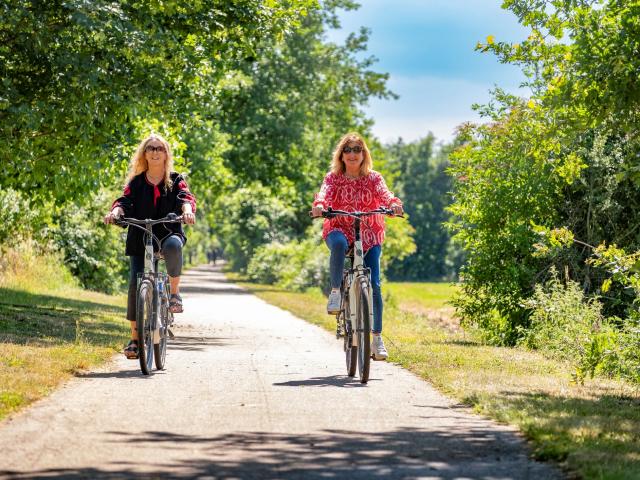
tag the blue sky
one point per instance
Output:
(427, 47)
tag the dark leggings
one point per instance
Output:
(172, 253)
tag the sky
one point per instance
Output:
(428, 48)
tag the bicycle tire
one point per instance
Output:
(144, 314)
(160, 348)
(363, 330)
(350, 350)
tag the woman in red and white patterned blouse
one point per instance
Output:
(353, 185)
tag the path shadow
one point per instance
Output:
(214, 290)
(406, 453)
(610, 424)
(196, 344)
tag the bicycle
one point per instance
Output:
(153, 316)
(355, 317)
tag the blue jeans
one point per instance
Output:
(337, 243)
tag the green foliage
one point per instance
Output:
(246, 91)
(399, 243)
(77, 76)
(92, 251)
(569, 327)
(285, 108)
(504, 181)
(423, 185)
(575, 159)
(251, 217)
(19, 219)
(296, 265)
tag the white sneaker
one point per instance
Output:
(333, 306)
(378, 350)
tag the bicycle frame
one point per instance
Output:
(151, 272)
(151, 261)
(355, 274)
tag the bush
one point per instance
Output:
(251, 217)
(296, 265)
(564, 325)
(19, 219)
(94, 252)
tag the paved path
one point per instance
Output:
(251, 392)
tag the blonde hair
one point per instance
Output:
(337, 164)
(139, 163)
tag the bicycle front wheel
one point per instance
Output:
(350, 350)
(363, 330)
(160, 348)
(144, 323)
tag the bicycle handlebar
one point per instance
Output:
(170, 218)
(330, 213)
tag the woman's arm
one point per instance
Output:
(387, 198)
(322, 199)
(185, 200)
(122, 206)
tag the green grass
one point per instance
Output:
(421, 295)
(50, 329)
(592, 430)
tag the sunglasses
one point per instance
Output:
(356, 149)
(151, 148)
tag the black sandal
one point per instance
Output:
(131, 350)
(175, 303)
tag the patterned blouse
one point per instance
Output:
(355, 194)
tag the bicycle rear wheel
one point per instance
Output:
(363, 330)
(144, 322)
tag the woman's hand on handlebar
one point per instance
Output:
(397, 210)
(187, 215)
(113, 215)
(316, 211)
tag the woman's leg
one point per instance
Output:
(172, 253)
(337, 243)
(372, 261)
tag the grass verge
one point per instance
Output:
(50, 329)
(591, 430)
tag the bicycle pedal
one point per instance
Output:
(171, 335)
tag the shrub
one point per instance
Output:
(565, 325)
(296, 265)
(94, 252)
(251, 217)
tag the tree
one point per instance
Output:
(568, 158)
(423, 185)
(76, 77)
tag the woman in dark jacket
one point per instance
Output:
(153, 190)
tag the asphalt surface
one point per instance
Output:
(251, 392)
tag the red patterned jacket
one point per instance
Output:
(142, 199)
(364, 193)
